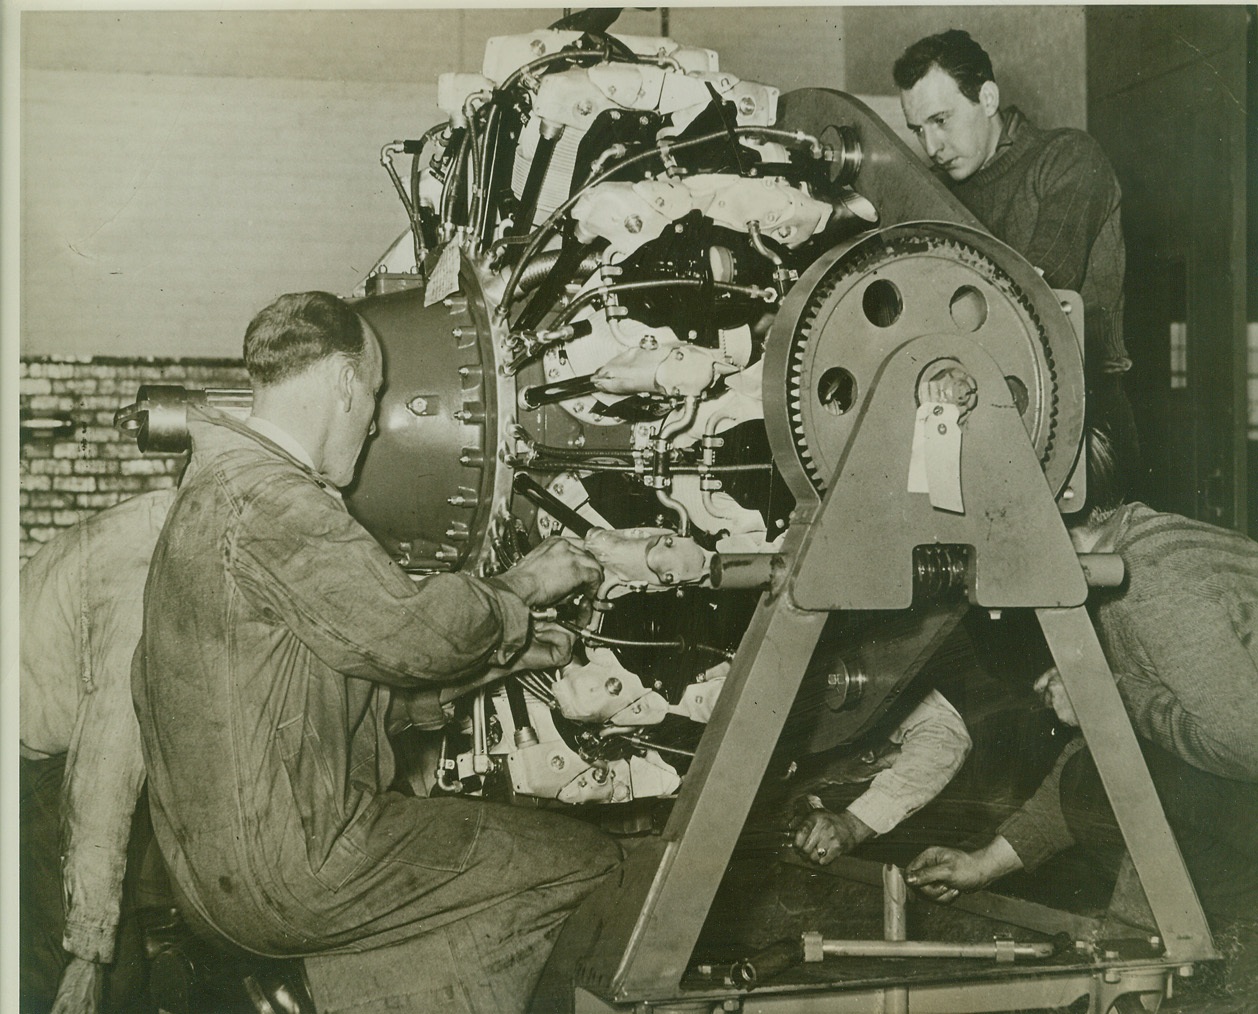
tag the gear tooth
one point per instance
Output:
(870, 256)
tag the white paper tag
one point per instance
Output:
(444, 279)
(935, 458)
(917, 456)
(943, 459)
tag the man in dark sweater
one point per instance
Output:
(1049, 194)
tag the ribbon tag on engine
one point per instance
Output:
(443, 280)
(935, 460)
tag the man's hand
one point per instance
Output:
(943, 873)
(553, 571)
(80, 989)
(1053, 691)
(549, 647)
(822, 836)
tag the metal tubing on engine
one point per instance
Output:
(558, 390)
(746, 570)
(549, 136)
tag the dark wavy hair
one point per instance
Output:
(296, 331)
(1113, 461)
(953, 52)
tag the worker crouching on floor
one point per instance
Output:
(276, 631)
(1181, 638)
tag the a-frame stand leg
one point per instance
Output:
(648, 924)
(1120, 764)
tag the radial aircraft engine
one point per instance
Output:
(645, 304)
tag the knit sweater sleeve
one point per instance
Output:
(1188, 681)
(1077, 191)
(1038, 830)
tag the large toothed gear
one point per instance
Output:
(858, 303)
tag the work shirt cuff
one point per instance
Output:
(516, 623)
(90, 942)
(877, 811)
(1028, 838)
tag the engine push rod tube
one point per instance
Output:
(540, 496)
(549, 137)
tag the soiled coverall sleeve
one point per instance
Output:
(934, 743)
(1077, 191)
(101, 583)
(1189, 683)
(104, 774)
(1038, 829)
(309, 566)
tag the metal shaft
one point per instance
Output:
(995, 950)
(894, 929)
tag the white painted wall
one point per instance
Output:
(160, 212)
(181, 168)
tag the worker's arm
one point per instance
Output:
(1038, 829)
(104, 773)
(550, 646)
(305, 561)
(928, 748)
(933, 744)
(1035, 832)
(1189, 683)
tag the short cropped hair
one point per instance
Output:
(953, 52)
(296, 331)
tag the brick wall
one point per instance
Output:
(73, 461)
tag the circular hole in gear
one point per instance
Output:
(836, 390)
(968, 308)
(1021, 399)
(882, 303)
